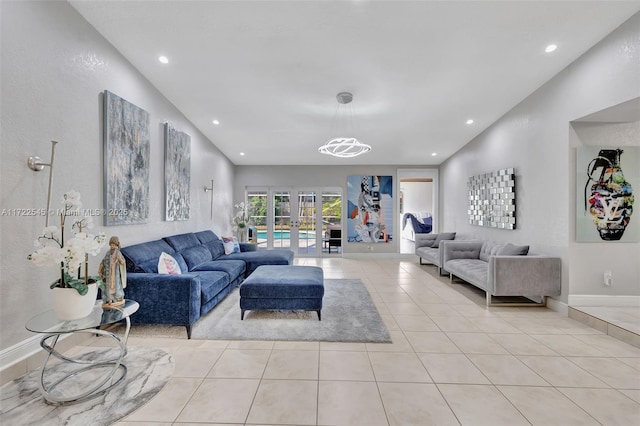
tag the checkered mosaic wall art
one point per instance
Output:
(492, 199)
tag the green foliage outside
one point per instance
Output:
(331, 211)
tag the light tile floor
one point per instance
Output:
(452, 361)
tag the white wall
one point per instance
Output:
(417, 197)
(55, 67)
(320, 176)
(621, 258)
(534, 138)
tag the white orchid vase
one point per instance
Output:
(241, 218)
(72, 255)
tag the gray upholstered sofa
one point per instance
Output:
(428, 247)
(208, 275)
(503, 269)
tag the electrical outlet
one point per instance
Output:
(608, 275)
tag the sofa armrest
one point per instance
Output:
(422, 240)
(164, 299)
(248, 247)
(452, 249)
(531, 275)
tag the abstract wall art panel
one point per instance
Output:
(126, 162)
(177, 173)
(369, 209)
(607, 184)
(492, 199)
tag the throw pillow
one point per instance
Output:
(168, 265)
(443, 236)
(513, 250)
(231, 245)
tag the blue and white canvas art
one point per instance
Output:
(177, 173)
(370, 209)
(126, 162)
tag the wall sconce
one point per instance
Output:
(206, 189)
(35, 163)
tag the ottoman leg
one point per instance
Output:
(241, 314)
(319, 317)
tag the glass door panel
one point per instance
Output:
(308, 221)
(331, 222)
(258, 209)
(281, 224)
(303, 236)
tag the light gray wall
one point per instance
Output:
(534, 138)
(622, 259)
(417, 197)
(320, 176)
(55, 67)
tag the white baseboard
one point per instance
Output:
(558, 306)
(22, 350)
(603, 300)
(19, 352)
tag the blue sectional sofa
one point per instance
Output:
(208, 275)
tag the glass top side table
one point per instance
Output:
(53, 328)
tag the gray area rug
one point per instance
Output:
(348, 315)
(148, 371)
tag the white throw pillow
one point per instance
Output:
(168, 265)
(231, 245)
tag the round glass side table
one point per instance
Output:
(53, 377)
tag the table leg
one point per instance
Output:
(98, 388)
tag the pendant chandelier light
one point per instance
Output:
(345, 147)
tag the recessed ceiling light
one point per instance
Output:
(550, 48)
(163, 59)
(216, 122)
(433, 154)
(469, 121)
(242, 154)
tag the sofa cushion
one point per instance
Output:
(182, 241)
(210, 240)
(443, 236)
(488, 249)
(235, 268)
(212, 283)
(144, 257)
(206, 236)
(168, 265)
(216, 248)
(512, 250)
(474, 271)
(253, 259)
(194, 256)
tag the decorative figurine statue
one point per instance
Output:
(113, 272)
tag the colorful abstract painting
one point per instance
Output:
(369, 209)
(177, 173)
(126, 162)
(607, 184)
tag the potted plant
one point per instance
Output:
(241, 221)
(74, 291)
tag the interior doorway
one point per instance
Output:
(418, 205)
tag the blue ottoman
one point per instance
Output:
(287, 287)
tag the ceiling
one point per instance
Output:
(269, 71)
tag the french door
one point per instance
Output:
(306, 220)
